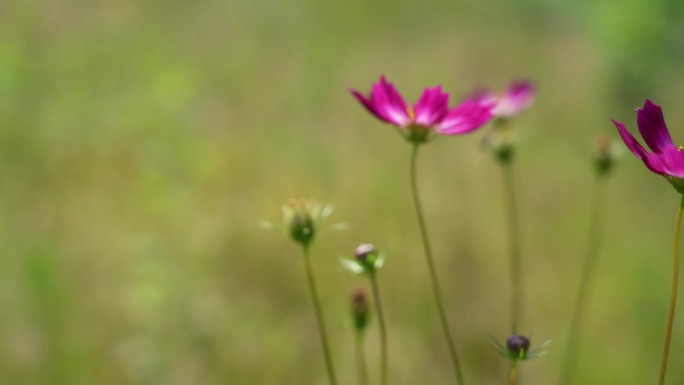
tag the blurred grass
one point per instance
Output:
(142, 142)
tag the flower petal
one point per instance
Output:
(432, 106)
(385, 103)
(368, 103)
(672, 161)
(466, 117)
(484, 96)
(652, 161)
(652, 127)
(389, 104)
(517, 98)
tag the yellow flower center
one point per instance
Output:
(411, 113)
(680, 148)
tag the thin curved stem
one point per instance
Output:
(319, 317)
(383, 329)
(433, 270)
(514, 242)
(587, 273)
(361, 358)
(673, 295)
(513, 376)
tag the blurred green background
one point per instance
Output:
(141, 142)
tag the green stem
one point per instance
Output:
(513, 377)
(383, 329)
(673, 296)
(319, 317)
(361, 358)
(514, 242)
(587, 273)
(433, 271)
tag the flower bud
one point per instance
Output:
(604, 154)
(501, 140)
(517, 346)
(368, 258)
(364, 251)
(301, 226)
(302, 219)
(360, 309)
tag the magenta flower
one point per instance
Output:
(430, 114)
(666, 159)
(517, 98)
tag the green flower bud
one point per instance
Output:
(303, 219)
(604, 154)
(367, 260)
(501, 140)
(301, 226)
(360, 309)
(366, 255)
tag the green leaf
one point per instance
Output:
(266, 225)
(352, 266)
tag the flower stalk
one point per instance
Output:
(513, 376)
(319, 315)
(361, 358)
(587, 272)
(673, 295)
(303, 222)
(433, 271)
(383, 328)
(514, 243)
(360, 312)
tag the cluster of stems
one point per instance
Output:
(360, 332)
(303, 228)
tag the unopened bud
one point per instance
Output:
(301, 226)
(501, 140)
(360, 309)
(604, 154)
(517, 346)
(363, 251)
(368, 257)
(302, 220)
(299, 220)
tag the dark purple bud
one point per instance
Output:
(517, 346)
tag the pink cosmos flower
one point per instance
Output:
(517, 98)
(666, 159)
(430, 114)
